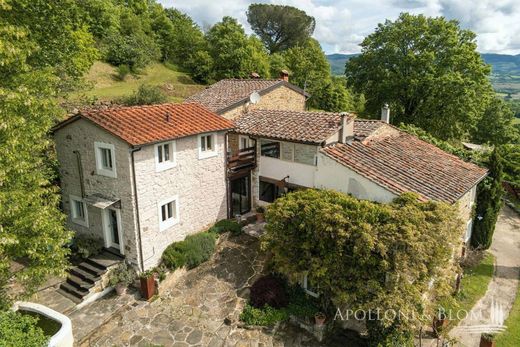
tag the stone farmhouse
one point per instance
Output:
(140, 178)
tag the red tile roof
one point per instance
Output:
(227, 94)
(139, 125)
(401, 162)
(298, 126)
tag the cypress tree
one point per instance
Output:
(489, 202)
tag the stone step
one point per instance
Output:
(94, 270)
(85, 276)
(104, 260)
(69, 296)
(78, 293)
(79, 283)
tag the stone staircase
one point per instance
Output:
(89, 277)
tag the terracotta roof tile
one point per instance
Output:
(402, 162)
(229, 92)
(299, 126)
(139, 125)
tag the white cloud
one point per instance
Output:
(342, 24)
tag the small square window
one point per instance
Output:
(168, 213)
(78, 211)
(207, 145)
(165, 156)
(105, 159)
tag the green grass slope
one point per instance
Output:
(102, 83)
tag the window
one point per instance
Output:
(165, 156)
(168, 213)
(469, 229)
(309, 288)
(269, 192)
(207, 145)
(270, 149)
(78, 211)
(244, 142)
(105, 159)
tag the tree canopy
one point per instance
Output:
(428, 70)
(32, 70)
(280, 27)
(365, 255)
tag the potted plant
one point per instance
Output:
(121, 277)
(320, 318)
(147, 280)
(439, 321)
(487, 340)
(260, 210)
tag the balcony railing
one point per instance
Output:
(245, 159)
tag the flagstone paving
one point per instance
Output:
(202, 308)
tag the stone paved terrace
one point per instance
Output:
(193, 311)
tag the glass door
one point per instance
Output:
(240, 195)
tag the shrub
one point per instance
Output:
(17, 330)
(191, 252)
(122, 72)
(122, 274)
(265, 316)
(86, 246)
(144, 95)
(226, 225)
(268, 290)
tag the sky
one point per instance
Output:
(342, 24)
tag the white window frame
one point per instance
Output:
(248, 140)
(305, 287)
(207, 154)
(74, 213)
(100, 170)
(165, 165)
(468, 230)
(163, 225)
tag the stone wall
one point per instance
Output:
(80, 136)
(282, 98)
(200, 185)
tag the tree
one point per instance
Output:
(64, 43)
(280, 27)
(145, 95)
(495, 126)
(186, 39)
(31, 224)
(428, 70)
(365, 255)
(234, 55)
(489, 203)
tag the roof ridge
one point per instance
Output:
(136, 107)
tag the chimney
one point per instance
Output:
(385, 113)
(284, 75)
(346, 133)
(167, 117)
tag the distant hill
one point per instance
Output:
(505, 71)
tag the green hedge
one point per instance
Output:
(191, 252)
(17, 330)
(226, 225)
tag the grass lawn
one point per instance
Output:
(103, 83)
(473, 286)
(511, 337)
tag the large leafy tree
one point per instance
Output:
(233, 53)
(368, 256)
(495, 126)
(280, 27)
(489, 202)
(42, 45)
(428, 70)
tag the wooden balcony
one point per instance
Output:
(244, 160)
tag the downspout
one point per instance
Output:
(80, 169)
(228, 194)
(134, 183)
